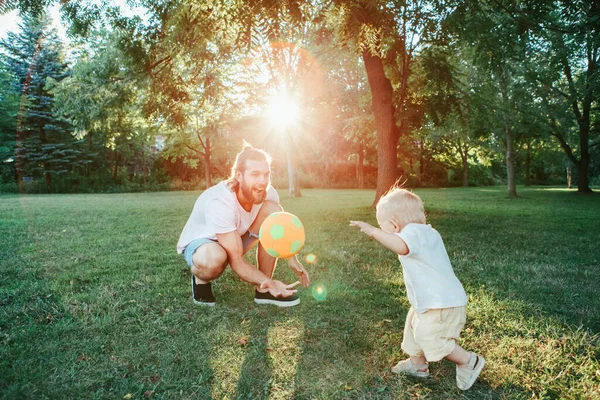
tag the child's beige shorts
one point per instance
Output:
(433, 333)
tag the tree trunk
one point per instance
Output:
(293, 187)
(207, 165)
(465, 171)
(48, 177)
(116, 169)
(510, 164)
(527, 165)
(387, 131)
(569, 176)
(421, 161)
(508, 142)
(327, 171)
(583, 185)
(360, 170)
(585, 102)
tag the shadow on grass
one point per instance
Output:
(533, 271)
(549, 266)
(255, 380)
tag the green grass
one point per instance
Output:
(95, 303)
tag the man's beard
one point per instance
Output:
(252, 195)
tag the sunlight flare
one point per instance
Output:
(283, 110)
(319, 292)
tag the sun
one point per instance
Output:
(283, 110)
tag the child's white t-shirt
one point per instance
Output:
(428, 274)
(218, 210)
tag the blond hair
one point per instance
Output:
(248, 153)
(402, 207)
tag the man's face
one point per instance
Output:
(255, 180)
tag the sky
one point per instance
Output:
(9, 22)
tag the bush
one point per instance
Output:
(10, 187)
(482, 176)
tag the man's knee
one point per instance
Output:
(211, 259)
(269, 207)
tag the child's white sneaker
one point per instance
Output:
(408, 367)
(466, 376)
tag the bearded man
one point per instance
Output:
(224, 225)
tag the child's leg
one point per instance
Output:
(420, 362)
(468, 366)
(411, 347)
(459, 356)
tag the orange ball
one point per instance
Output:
(282, 234)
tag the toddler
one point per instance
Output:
(437, 298)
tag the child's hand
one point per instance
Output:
(365, 228)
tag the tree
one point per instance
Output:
(449, 106)
(564, 73)
(550, 49)
(104, 99)
(386, 35)
(499, 49)
(9, 110)
(44, 144)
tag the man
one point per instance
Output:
(223, 226)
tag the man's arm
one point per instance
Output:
(232, 243)
(299, 270)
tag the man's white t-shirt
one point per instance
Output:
(217, 211)
(428, 274)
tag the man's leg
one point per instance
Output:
(265, 261)
(210, 261)
(207, 262)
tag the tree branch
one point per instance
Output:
(157, 63)
(564, 145)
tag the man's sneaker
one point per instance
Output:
(202, 293)
(267, 298)
(408, 367)
(466, 376)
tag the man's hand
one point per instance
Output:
(365, 228)
(278, 288)
(299, 270)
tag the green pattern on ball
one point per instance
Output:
(277, 231)
(272, 252)
(260, 233)
(296, 221)
(295, 246)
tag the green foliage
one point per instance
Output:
(97, 304)
(9, 109)
(104, 100)
(44, 147)
(194, 76)
(544, 57)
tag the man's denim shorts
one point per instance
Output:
(247, 239)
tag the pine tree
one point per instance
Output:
(9, 109)
(44, 145)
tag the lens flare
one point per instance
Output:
(311, 258)
(319, 292)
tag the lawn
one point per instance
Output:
(95, 302)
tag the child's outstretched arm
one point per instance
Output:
(389, 240)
